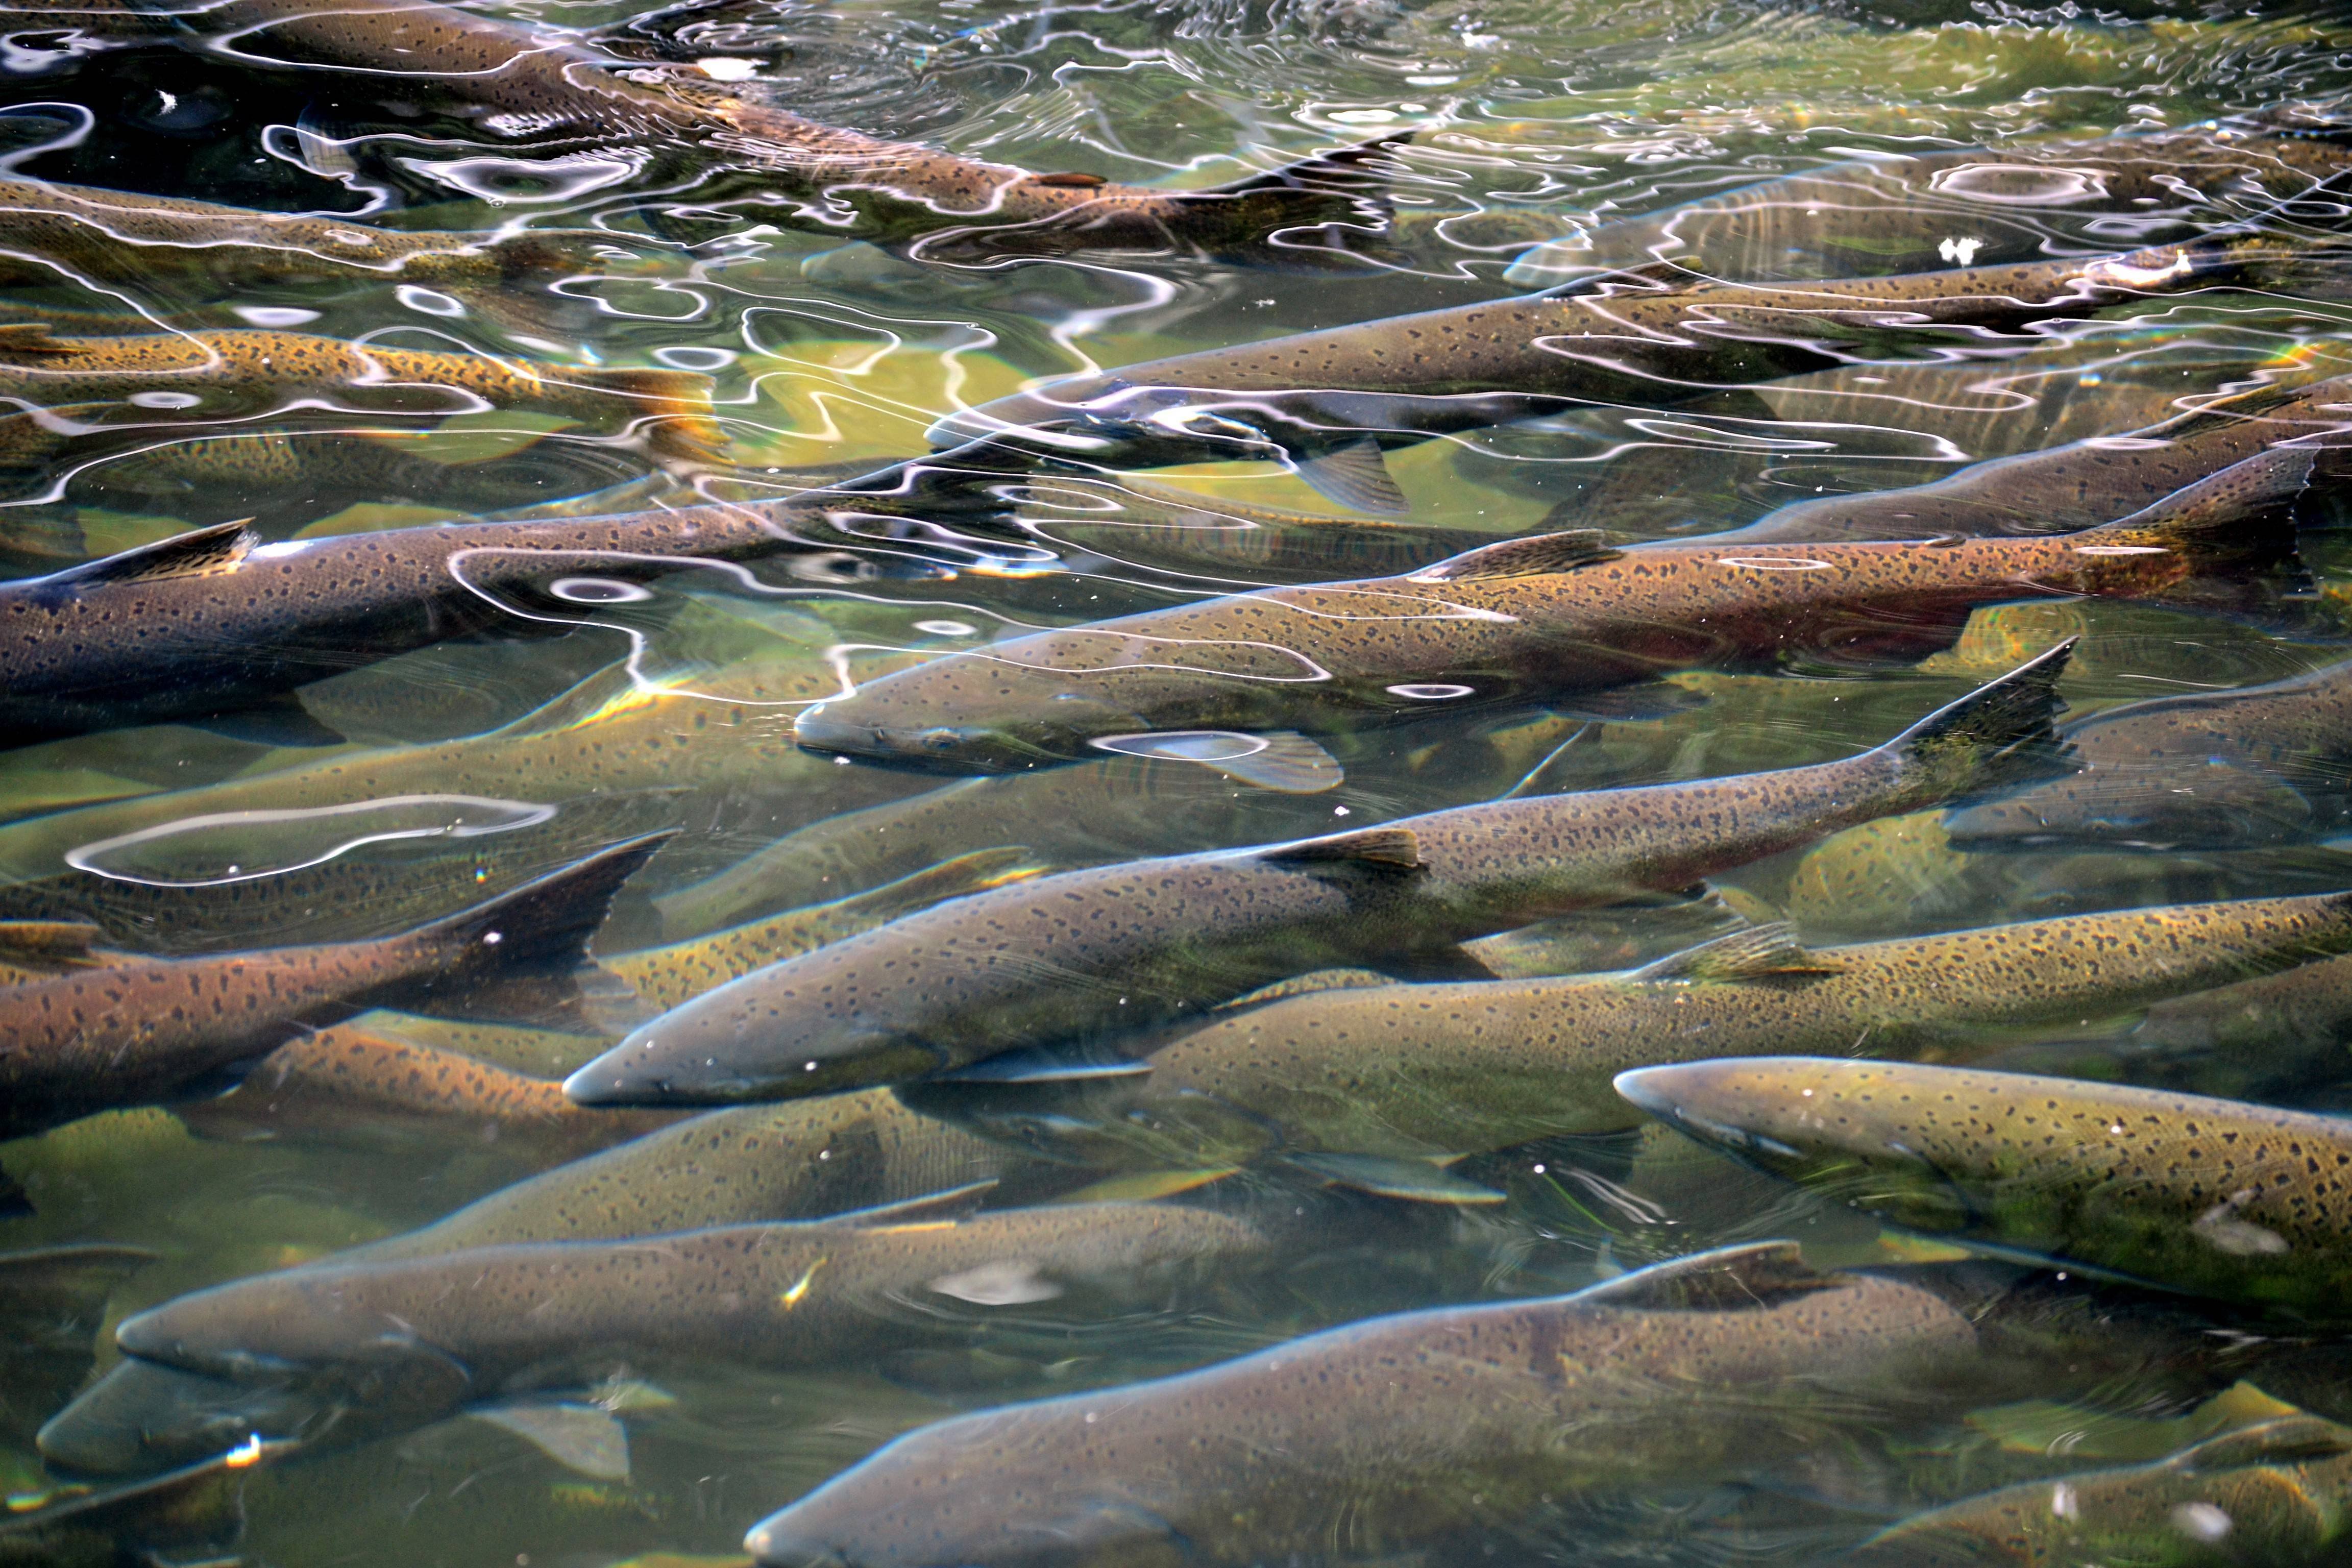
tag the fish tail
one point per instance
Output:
(679, 420)
(521, 954)
(1343, 183)
(1999, 734)
(2242, 517)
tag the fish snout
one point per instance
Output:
(773, 1546)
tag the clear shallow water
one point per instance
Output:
(669, 705)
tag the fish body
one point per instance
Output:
(132, 1032)
(1416, 1071)
(1633, 342)
(537, 76)
(1419, 1431)
(2208, 770)
(2276, 1493)
(2214, 1196)
(785, 1295)
(1095, 953)
(1537, 617)
(150, 381)
(2228, 443)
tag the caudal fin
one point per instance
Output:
(1998, 734)
(520, 954)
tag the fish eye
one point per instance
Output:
(939, 740)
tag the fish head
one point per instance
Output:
(971, 714)
(323, 1332)
(729, 1050)
(143, 1417)
(1002, 1487)
(2209, 803)
(1832, 1125)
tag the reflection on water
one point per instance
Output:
(914, 785)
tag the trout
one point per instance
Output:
(1390, 1075)
(518, 74)
(2216, 1198)
(1424, 1431)
(141, 1030)
(88, 386)
(1531, 619)
(2213, 770)
(1091, 954)
(2278, 1491)
(1331, 400)
(473, 1324)
(196, 1509)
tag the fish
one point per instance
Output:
(2233, 445)
(1091, 812)
(521, 75)
(141, 1031)
(1398, 1075)
(472, 1325)
(54, 231)
(801, 1161)
(196, 1507)
(2278, 1491)
(2215, 1197)
(52, 1302)
(664, 977)
(2206, 770)
(1532, 618)
(1423, 1431)
(1331, 401)
(145, 382)
(1117, 949)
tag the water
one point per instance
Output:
(409, 786)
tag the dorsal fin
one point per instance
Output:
(49, 944)
(952, 1204)
(1380, 848)
(593, 695)
(32, 338)
(1760, 953)
(206, 550)
(1729, 1278)
(2288, 1437)
(1539, 555)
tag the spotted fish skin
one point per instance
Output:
(1470, 1067)
(1082, 955)
(891, 189)
(1409, 377)
(123, 237)
(127, 1033)
(798, 1294)
(2221, 445)
(1549, 615)
(241, 372)
(2216, 769)
(2277, 1492)
(2214, 1196)
(1426, 1429)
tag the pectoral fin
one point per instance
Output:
(276, 721)
(1284, 761)
(1539, 555)
(1385, 1177)
(1039, 1064)
(579, 1437)
(1759, 953)
(1388, 849)
(1356, 477)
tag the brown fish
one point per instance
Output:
(541, 76)
(133, 1032)
(1425, 1431)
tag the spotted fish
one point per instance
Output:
(2214, 1196)
(1093, 953)
(1419, 1432)
(1536, 617)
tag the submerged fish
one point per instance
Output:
(472, 1325)
(1390, 1075)
(156, 381)
(2215, 1197)
(155, 1521)
(1332, 398)
(1425, 1431)
(1539, 617)
(2226, 446)
(519, 75)
(2210, 769)
(2278, 1491)
(1115, 950)
(143, 1030)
